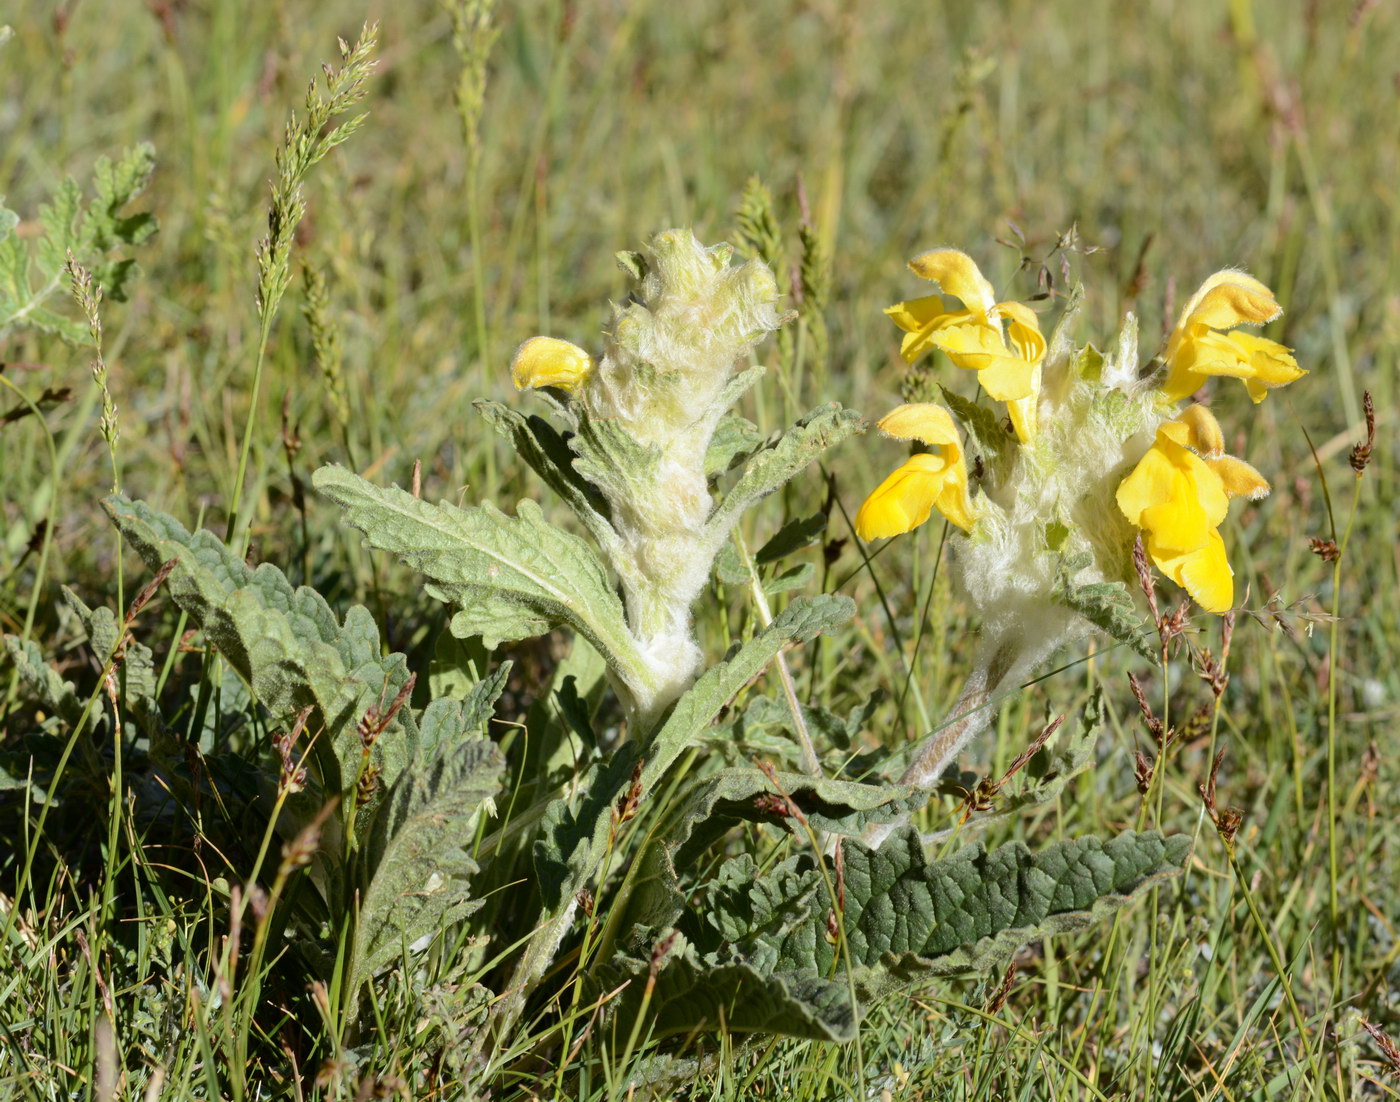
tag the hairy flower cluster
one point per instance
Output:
(1063, 493)
(1095, 453)
(652, 401)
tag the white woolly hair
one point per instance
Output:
(669, 356)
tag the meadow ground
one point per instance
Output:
(1173, 139)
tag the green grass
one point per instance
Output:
(1178, 137)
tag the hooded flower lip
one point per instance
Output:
(928, 481)
(1179, 495)
(547, 361)
(1007, 363)
(1200, 347)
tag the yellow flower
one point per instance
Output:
(973, 337)
(545, 361)
(1199, 346)
(928, 481)
(1179, 494)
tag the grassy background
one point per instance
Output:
(1179, 137)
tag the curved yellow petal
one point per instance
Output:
(1178, 525)
(1203, 572)
(1238, 478)
(1238, 299)
(1023, 330)
(925, 421)
(546, 361)
(908, 496)
(1008, 378)
(1025, 412)
(1203, 435)
(957, 274)
(920, 340)
(1270, 363)
(1172, 477)
(1154, 480)
(1199, 348)
(915, 313)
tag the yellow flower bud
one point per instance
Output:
(545, 361)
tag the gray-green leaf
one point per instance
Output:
(510, 577)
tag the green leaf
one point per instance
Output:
(754, 952)
(610, 458)
(135, 667)
(571, 842)
(1109, 606)
(708, 808)
(50, 690)
(795, 577)
(804, 619)
(983, 425)
(793, 536)
(548, 455)
(777, 463)
(1064, 756)
(766, 727)
(285, 642)
(416, 847)
(735, 439)
(510, 577)
(96, 234)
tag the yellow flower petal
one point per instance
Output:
(1180, 499)
(904, 500)
(1198, 348)
(1178, 525)
(1154, 480)
(1203, 431)
(915, 313)
(978, 346)
(545, 361)
(1270, 363)
(1238, 478)
(957, 274)
(1025, 411)
(1023, 330)
(924, 421)
(1203, 572)
(1229, 299)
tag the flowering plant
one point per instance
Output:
(1098, 451)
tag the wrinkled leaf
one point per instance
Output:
(755, 954)
(510, 577)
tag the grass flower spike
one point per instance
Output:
(547, 361)
(1179, 494)
(1007, 362)
(927, 481)
(1200, 347)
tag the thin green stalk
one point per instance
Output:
(1334, 632)
(811, 763)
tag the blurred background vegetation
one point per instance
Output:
(1176, 138)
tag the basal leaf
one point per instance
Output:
(804, 619)
(756, 954)
(416, 848)
(285, 642)
(1107, 605)
(708, 808)
(735, 439)
(572, 839)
